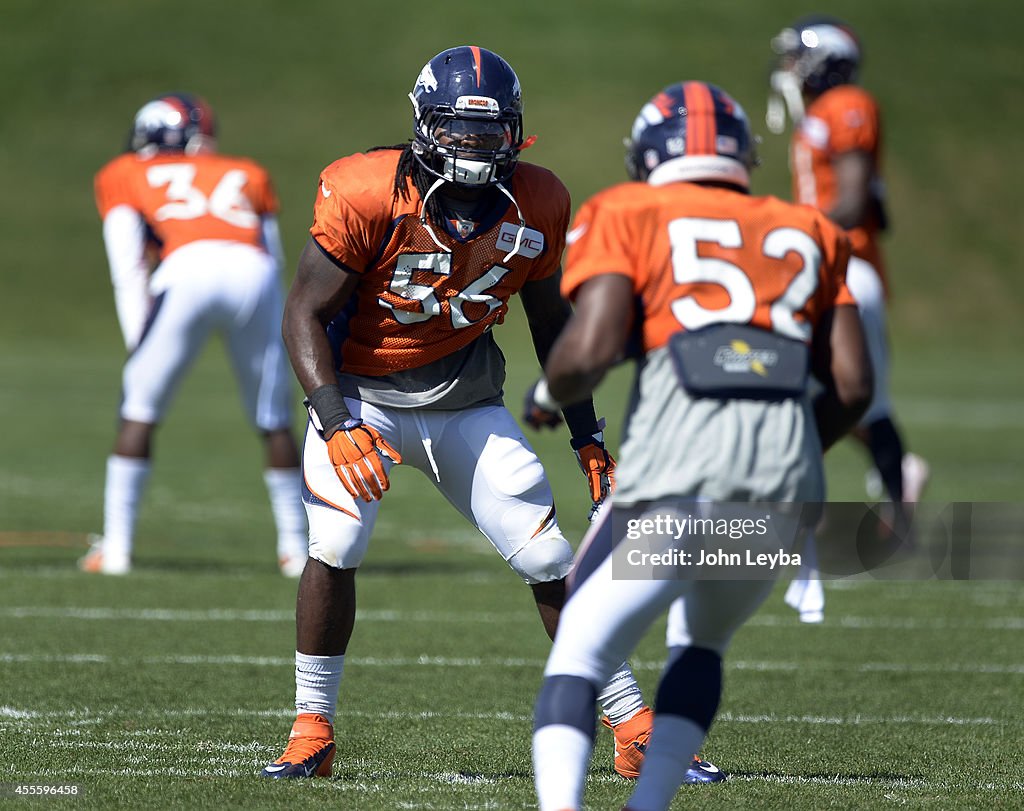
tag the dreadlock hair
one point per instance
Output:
(410, 168)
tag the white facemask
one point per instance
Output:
(468, 172)
(785, 96)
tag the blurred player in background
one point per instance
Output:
(835, 158)
(193, 246)
(416, 250)
(686, 265)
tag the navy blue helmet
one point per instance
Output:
(822, 52)
(468, 117)
(691, 131)
(177, 122)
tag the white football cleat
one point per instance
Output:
(915, 477)
(100, 561)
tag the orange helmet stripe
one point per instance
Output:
(178, 105)
(476, 62)
(700, 119)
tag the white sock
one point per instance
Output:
(284, 486)
(669, 753)
(621, 698)
(317, 679)
(126, 482)
(806, 593)
(561, 755)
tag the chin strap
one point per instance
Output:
(423, 214)
(522, 224)
(519, 212)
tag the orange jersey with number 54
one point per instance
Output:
(186, 198)
(699, 255)
(425, 292)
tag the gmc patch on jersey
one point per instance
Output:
(739, 361)
(530, 244)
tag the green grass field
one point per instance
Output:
(171, 687)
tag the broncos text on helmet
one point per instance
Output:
(812, 55)
(174, 122)
(691, 131)
(467, 117)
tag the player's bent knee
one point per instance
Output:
(542, 560)
(338, 543)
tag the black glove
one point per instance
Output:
(537, 417)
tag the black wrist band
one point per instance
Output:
(329, 404)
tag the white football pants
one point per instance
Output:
(202, 288)
(866, 287)
(477, 458)
(606, 617)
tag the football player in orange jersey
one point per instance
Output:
(415, 252)
(836, 158)
(210, 220)
(729, 298)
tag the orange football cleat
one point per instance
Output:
(310, 750)
(631, 737)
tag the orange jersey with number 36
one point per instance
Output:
(186, 198)
(417, 301)
(699, 255)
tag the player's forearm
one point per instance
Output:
(849, 213)
(313, 361)
(125, 243)
(308, 350)
(844, 368)
(545, 327)
(318, 293)
(853, 188)
(836, 416)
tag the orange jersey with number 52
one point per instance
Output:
(699, 255)
(186, 198)
(418, 301)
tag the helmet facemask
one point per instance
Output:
(477, 145)
(812, 57)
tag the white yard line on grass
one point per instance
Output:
(75, 740)
(973, 668)
(943, 411)
(18, 718)
(107, 614)
(452, 779)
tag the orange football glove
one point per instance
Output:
(355, 450)
(596, 463)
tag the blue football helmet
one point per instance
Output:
(812, 55)
(175, 122)
(822, 52)
(691, 131)
(468, 117)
